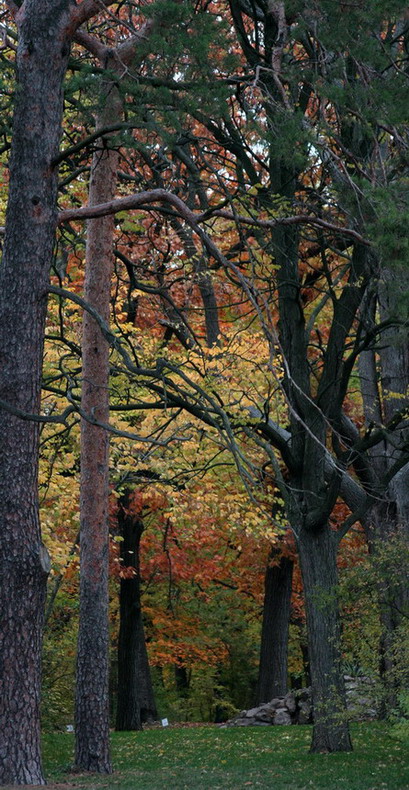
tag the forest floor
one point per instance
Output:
(200, 758)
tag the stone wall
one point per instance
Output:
(296, 706)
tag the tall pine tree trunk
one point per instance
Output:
(92, 694)
(42, 57)
(136, 703)
(273, 670)
(92, 691)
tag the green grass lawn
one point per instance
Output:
(200, 758)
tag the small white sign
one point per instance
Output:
(165, 723)
(69, 728)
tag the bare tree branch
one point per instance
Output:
(161, 195)
(298, 219)
(86, 10)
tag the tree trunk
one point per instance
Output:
(384, 531)
(318, 552)
(388, 518)
(92, 699)
(272, 676)
(393, 523)
(30, 230)
(136, 703)
(304, 679)
(182, 680)
(92, 694)
(310, 507)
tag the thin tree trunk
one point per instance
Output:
(92, 693)
(318, 552)
(272, 676)
(303, 679)
(30, 231)
(136, 703)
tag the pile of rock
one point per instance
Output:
(296, 706)
(361, 697)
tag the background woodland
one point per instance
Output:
(214, 195)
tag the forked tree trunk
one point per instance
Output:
(92, 691)
(310, 507)
(318, 553)
(42, 57)
(272, 676)
(136, 703)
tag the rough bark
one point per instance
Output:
(135, 702)
(30, 230)
(92, 692)
(318, 550)
(272, 675)
(92, 695)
